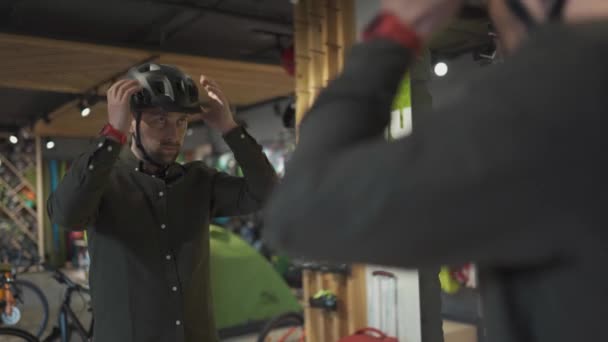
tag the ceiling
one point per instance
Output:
(229, 29)
(53, 52)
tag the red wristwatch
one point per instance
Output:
(109, 131)
(389, 26)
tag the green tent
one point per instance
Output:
(246, 288)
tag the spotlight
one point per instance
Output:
(85, 110)
(85, 107)
(50, 145)
(13, 139)
(441, 69)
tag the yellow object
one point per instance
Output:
(449, 285)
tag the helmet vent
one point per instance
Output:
(158, 87)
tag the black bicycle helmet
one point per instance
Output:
(166, 87)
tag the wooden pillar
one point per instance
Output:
(40, 202)
(324, 31)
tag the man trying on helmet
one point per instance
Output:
(148, 216)
(512, 175)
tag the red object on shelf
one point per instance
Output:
(288, 60)
(369, 335)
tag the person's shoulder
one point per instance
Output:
(200, 167)
(581, 38)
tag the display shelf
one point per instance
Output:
(464, 307)
(20, 224)
(16, 172)
(20, 187)
(16, 191)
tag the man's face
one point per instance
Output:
(162, 134)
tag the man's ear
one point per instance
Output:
(132, 128)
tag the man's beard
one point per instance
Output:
(164, 158)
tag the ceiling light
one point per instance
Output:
(85, 107)
(85, 111)
(441, 69)
(13, 139)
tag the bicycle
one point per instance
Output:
(23, 304)
(16, 335)
(68, 322)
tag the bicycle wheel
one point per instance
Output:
(16, 335)
(33, 307)
(288, 327)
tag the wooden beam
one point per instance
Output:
(324, 29)
(60, 66)
(72, 67)
(302, 58)
(40, 202)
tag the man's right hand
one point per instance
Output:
(119, 104)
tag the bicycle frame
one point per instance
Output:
(6, 294)
(67, 316)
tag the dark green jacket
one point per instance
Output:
(149, 240)
(512, 175)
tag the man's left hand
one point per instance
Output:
(216, 113)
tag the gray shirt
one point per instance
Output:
(512, 176)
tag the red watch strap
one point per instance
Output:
(389, 26)
(109, 131)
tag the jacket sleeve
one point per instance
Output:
(484, 180)
(234, 196)
(75, 202)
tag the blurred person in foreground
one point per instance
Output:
(147, 215)
(511, 175)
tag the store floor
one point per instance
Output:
(54, 292)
